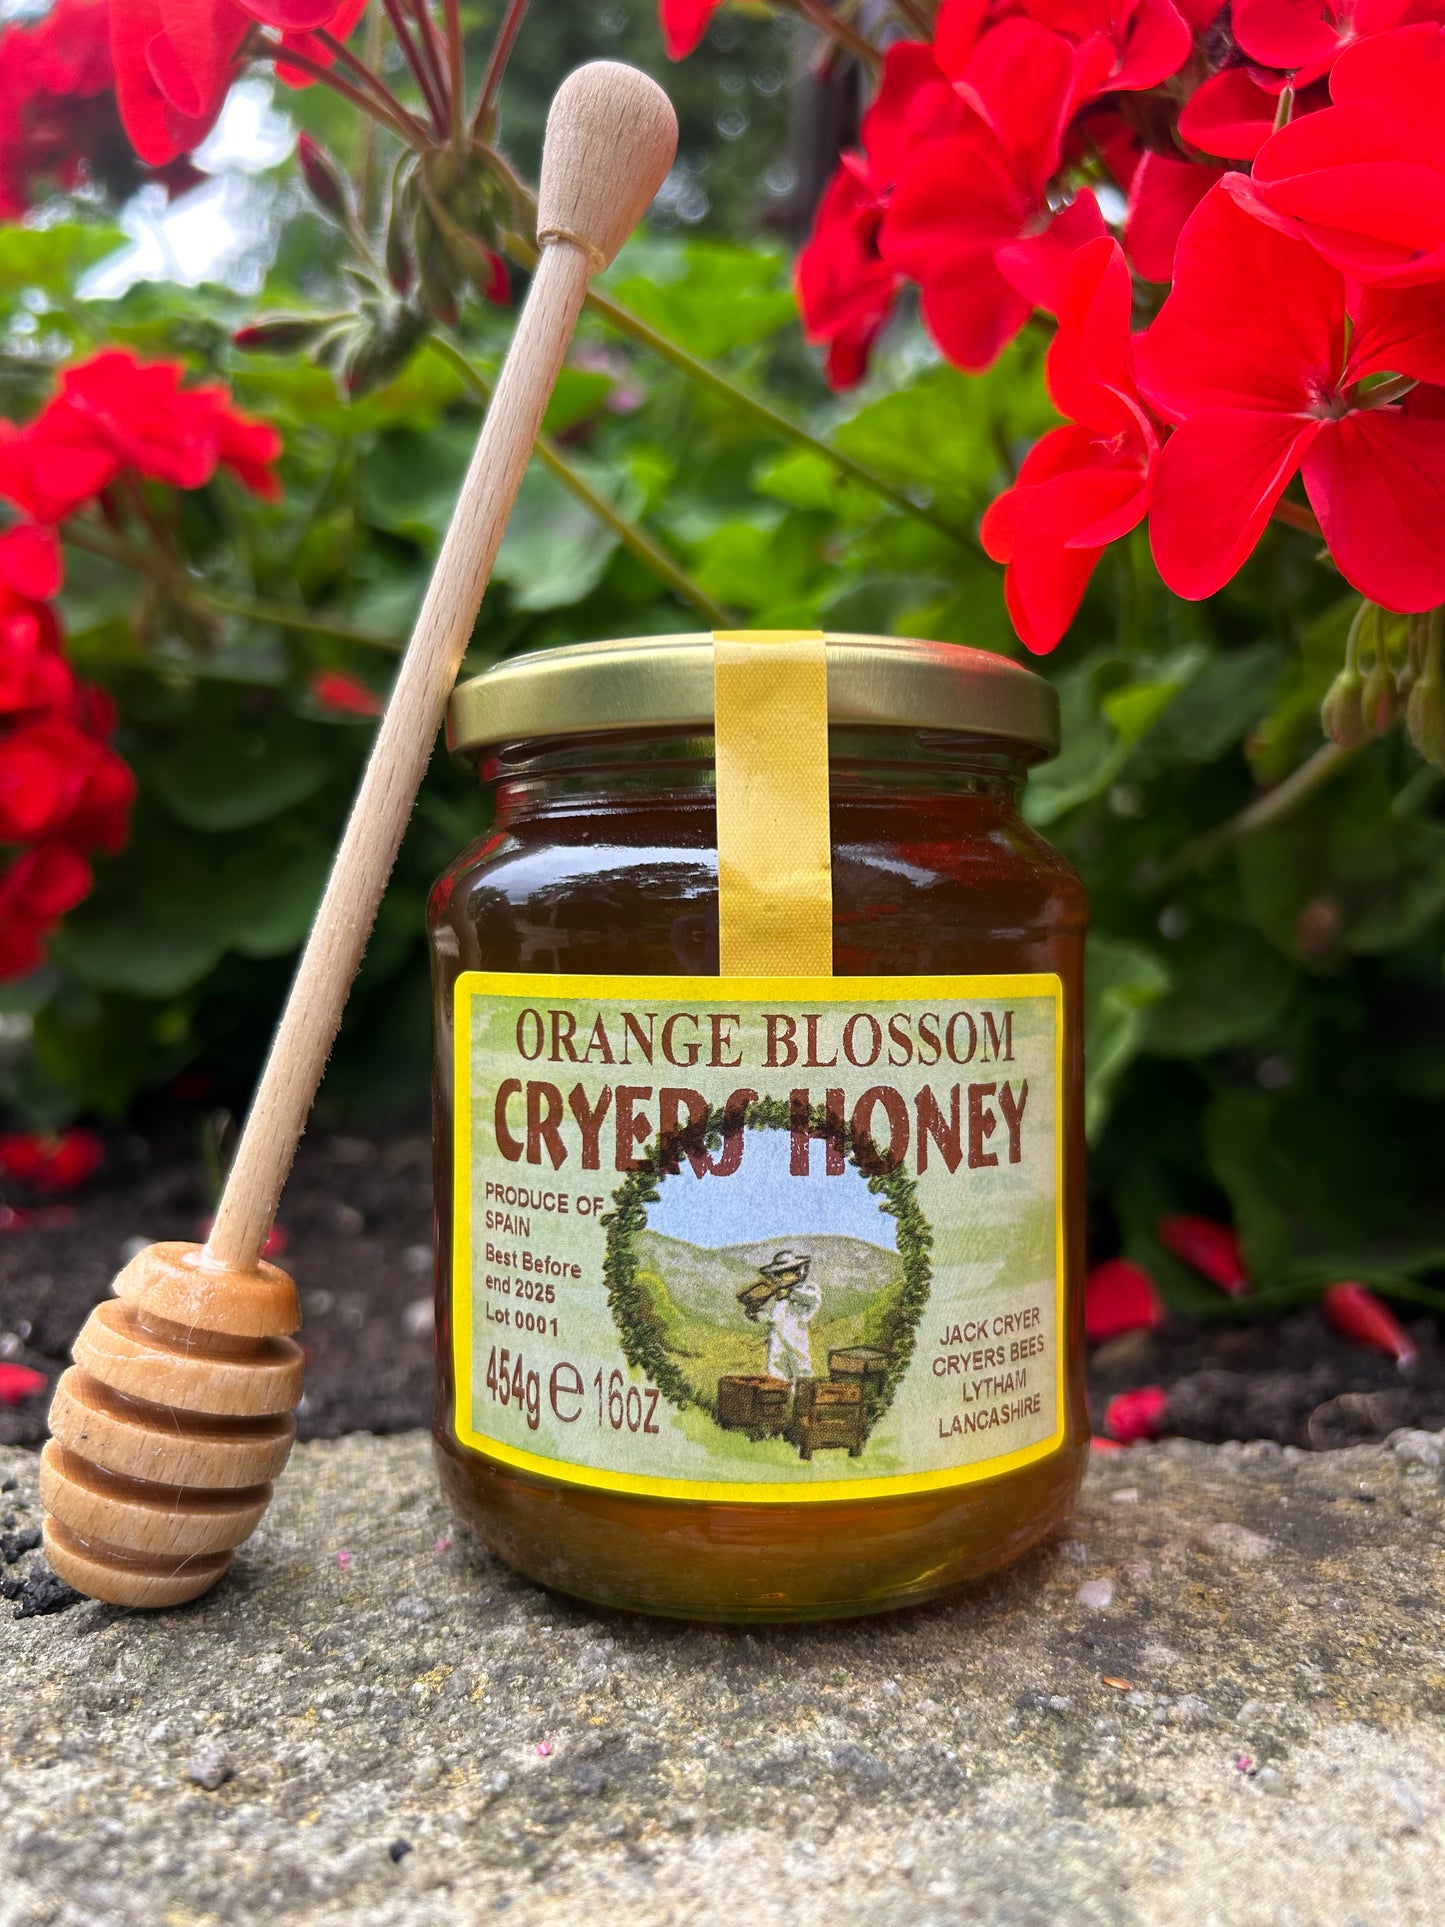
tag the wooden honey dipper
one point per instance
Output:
(176, 1416)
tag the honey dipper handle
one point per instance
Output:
(611, 136)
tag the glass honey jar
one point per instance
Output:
(758, 1121)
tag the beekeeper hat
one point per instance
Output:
(784, 1261)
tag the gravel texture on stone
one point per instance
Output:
(1221, 1701)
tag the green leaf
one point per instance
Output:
(760, 568)
(271, 898)
(1123, 980)
(1216, 707)
(1344, 875)
(949, 433)
(411, 481)
(1133, 709)
(53, 259)
(721, 297)
(257, 768)
(1321, 1191)
(1228, 989)
(1092, 753)
(555, 550)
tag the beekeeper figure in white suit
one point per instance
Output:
(789, 1313)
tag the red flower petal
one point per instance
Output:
(18, 1382)
(58, 1163)
(684, 22)
(1120, 1297)
(1162, 196)
(1215, 487)
(1376, 481)
(1399, 331)
(915, 103)
(1022, 81)
(1366, 177)
(44, 883)
(1132, 1416)
(344, 694)
(1037, 264)
(1355, 1312)
(1229, 115)
(1256, 320)
(30, 561)
(159, 130)
(1210, 1247)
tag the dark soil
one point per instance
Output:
(357, 1214)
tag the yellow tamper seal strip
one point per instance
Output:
(775, 869)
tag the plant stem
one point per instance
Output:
(1295, 515)
(147, 562)
(738, 399)
(628, 323)
(457, 70)
(1266, 811)
(283, 616)
(635, 540)
(366, 191)
(368, 70)
(419, 66)
(432, 53)
(497, 63)
(916, 17)
(408, 128)
(847, 37)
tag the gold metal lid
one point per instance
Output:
(666, 682)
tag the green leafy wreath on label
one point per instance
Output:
(643, 1333)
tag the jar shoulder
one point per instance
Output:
(920, 886)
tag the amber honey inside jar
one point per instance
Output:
(759, 1293)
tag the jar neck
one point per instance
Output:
(641, 769)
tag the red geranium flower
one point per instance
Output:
(1083, 486)
(30, 561)
(1365, 178)
(1120, 1297)
(972, 219)
(1162, 196)
(52, 120)
(1304, 38)
(175, 60)
(845, 288)
(1124, 45)
(1132, 1416)
(1211, 1248)
(57, 782)
(44, 883)
(1230, 115)
(1259, 354)
(58, 1163)
(19, 1382)
(115, 412)
(684, 22)
(344, 694)
(1355, 1312)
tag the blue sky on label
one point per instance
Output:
(763, 1201)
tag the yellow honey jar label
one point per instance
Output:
(737, 1238)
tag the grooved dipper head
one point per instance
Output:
(611, 137)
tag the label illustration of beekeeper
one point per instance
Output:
(782, 1298)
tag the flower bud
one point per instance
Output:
(283, 334)
(328, 185)
(1425, 715)
(1342, 714)
(400, 221)
(1379, 698)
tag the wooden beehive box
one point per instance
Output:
(753, 1403)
